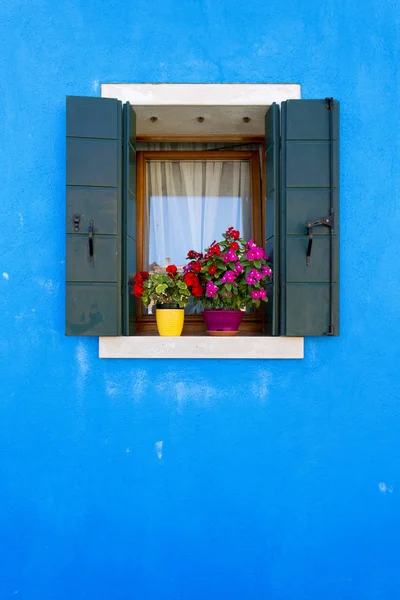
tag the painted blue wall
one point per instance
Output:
(277, 480)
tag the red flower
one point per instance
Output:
(212, 270)
(234, 246)
(192, 254)
(197, 290)
(214, 249)
(191, 279)
(138, 290)
(232, 233)
(139, 277)
(196, 267)
(171, 270)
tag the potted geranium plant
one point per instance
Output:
(230, 277)
(169, 293)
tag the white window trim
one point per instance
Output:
(234, 94)
(201, 94)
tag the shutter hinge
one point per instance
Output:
(327, 221)
(330, 104)
(77, 220)
(91, 245)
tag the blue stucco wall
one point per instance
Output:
(278, 479)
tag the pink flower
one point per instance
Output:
(187, 268)
(255, 253)
(238, 268)
(266, 271)
(256, 274)
(251, 244)
(250, 280)
(255, 294)
(230, 256)
(263, 294)
(211, 289)
(228, 277)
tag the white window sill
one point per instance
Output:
(201, 347)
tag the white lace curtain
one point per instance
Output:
(191, 203)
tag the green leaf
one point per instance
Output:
(257, 264)
(228, 287)
(160, 289)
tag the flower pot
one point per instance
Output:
(222, 322)
(169, 319)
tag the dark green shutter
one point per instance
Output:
(94, 169)
(129, 218)
(272, 216)
(309, 192)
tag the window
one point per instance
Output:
(185, 199)
(105, 240)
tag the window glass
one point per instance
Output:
(189, 204)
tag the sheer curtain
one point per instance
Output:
(190, 203)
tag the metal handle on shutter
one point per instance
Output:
(91, 245)
(327, 221)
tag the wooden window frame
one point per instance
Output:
(194, 324)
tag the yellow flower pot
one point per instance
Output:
(170, 321)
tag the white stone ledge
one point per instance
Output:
(201, 347)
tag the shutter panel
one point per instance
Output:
(272, 216)
(93, 153)
(129, 219)
(309, 193)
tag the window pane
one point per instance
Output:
(190, 203)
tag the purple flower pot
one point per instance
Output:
(222, 322)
